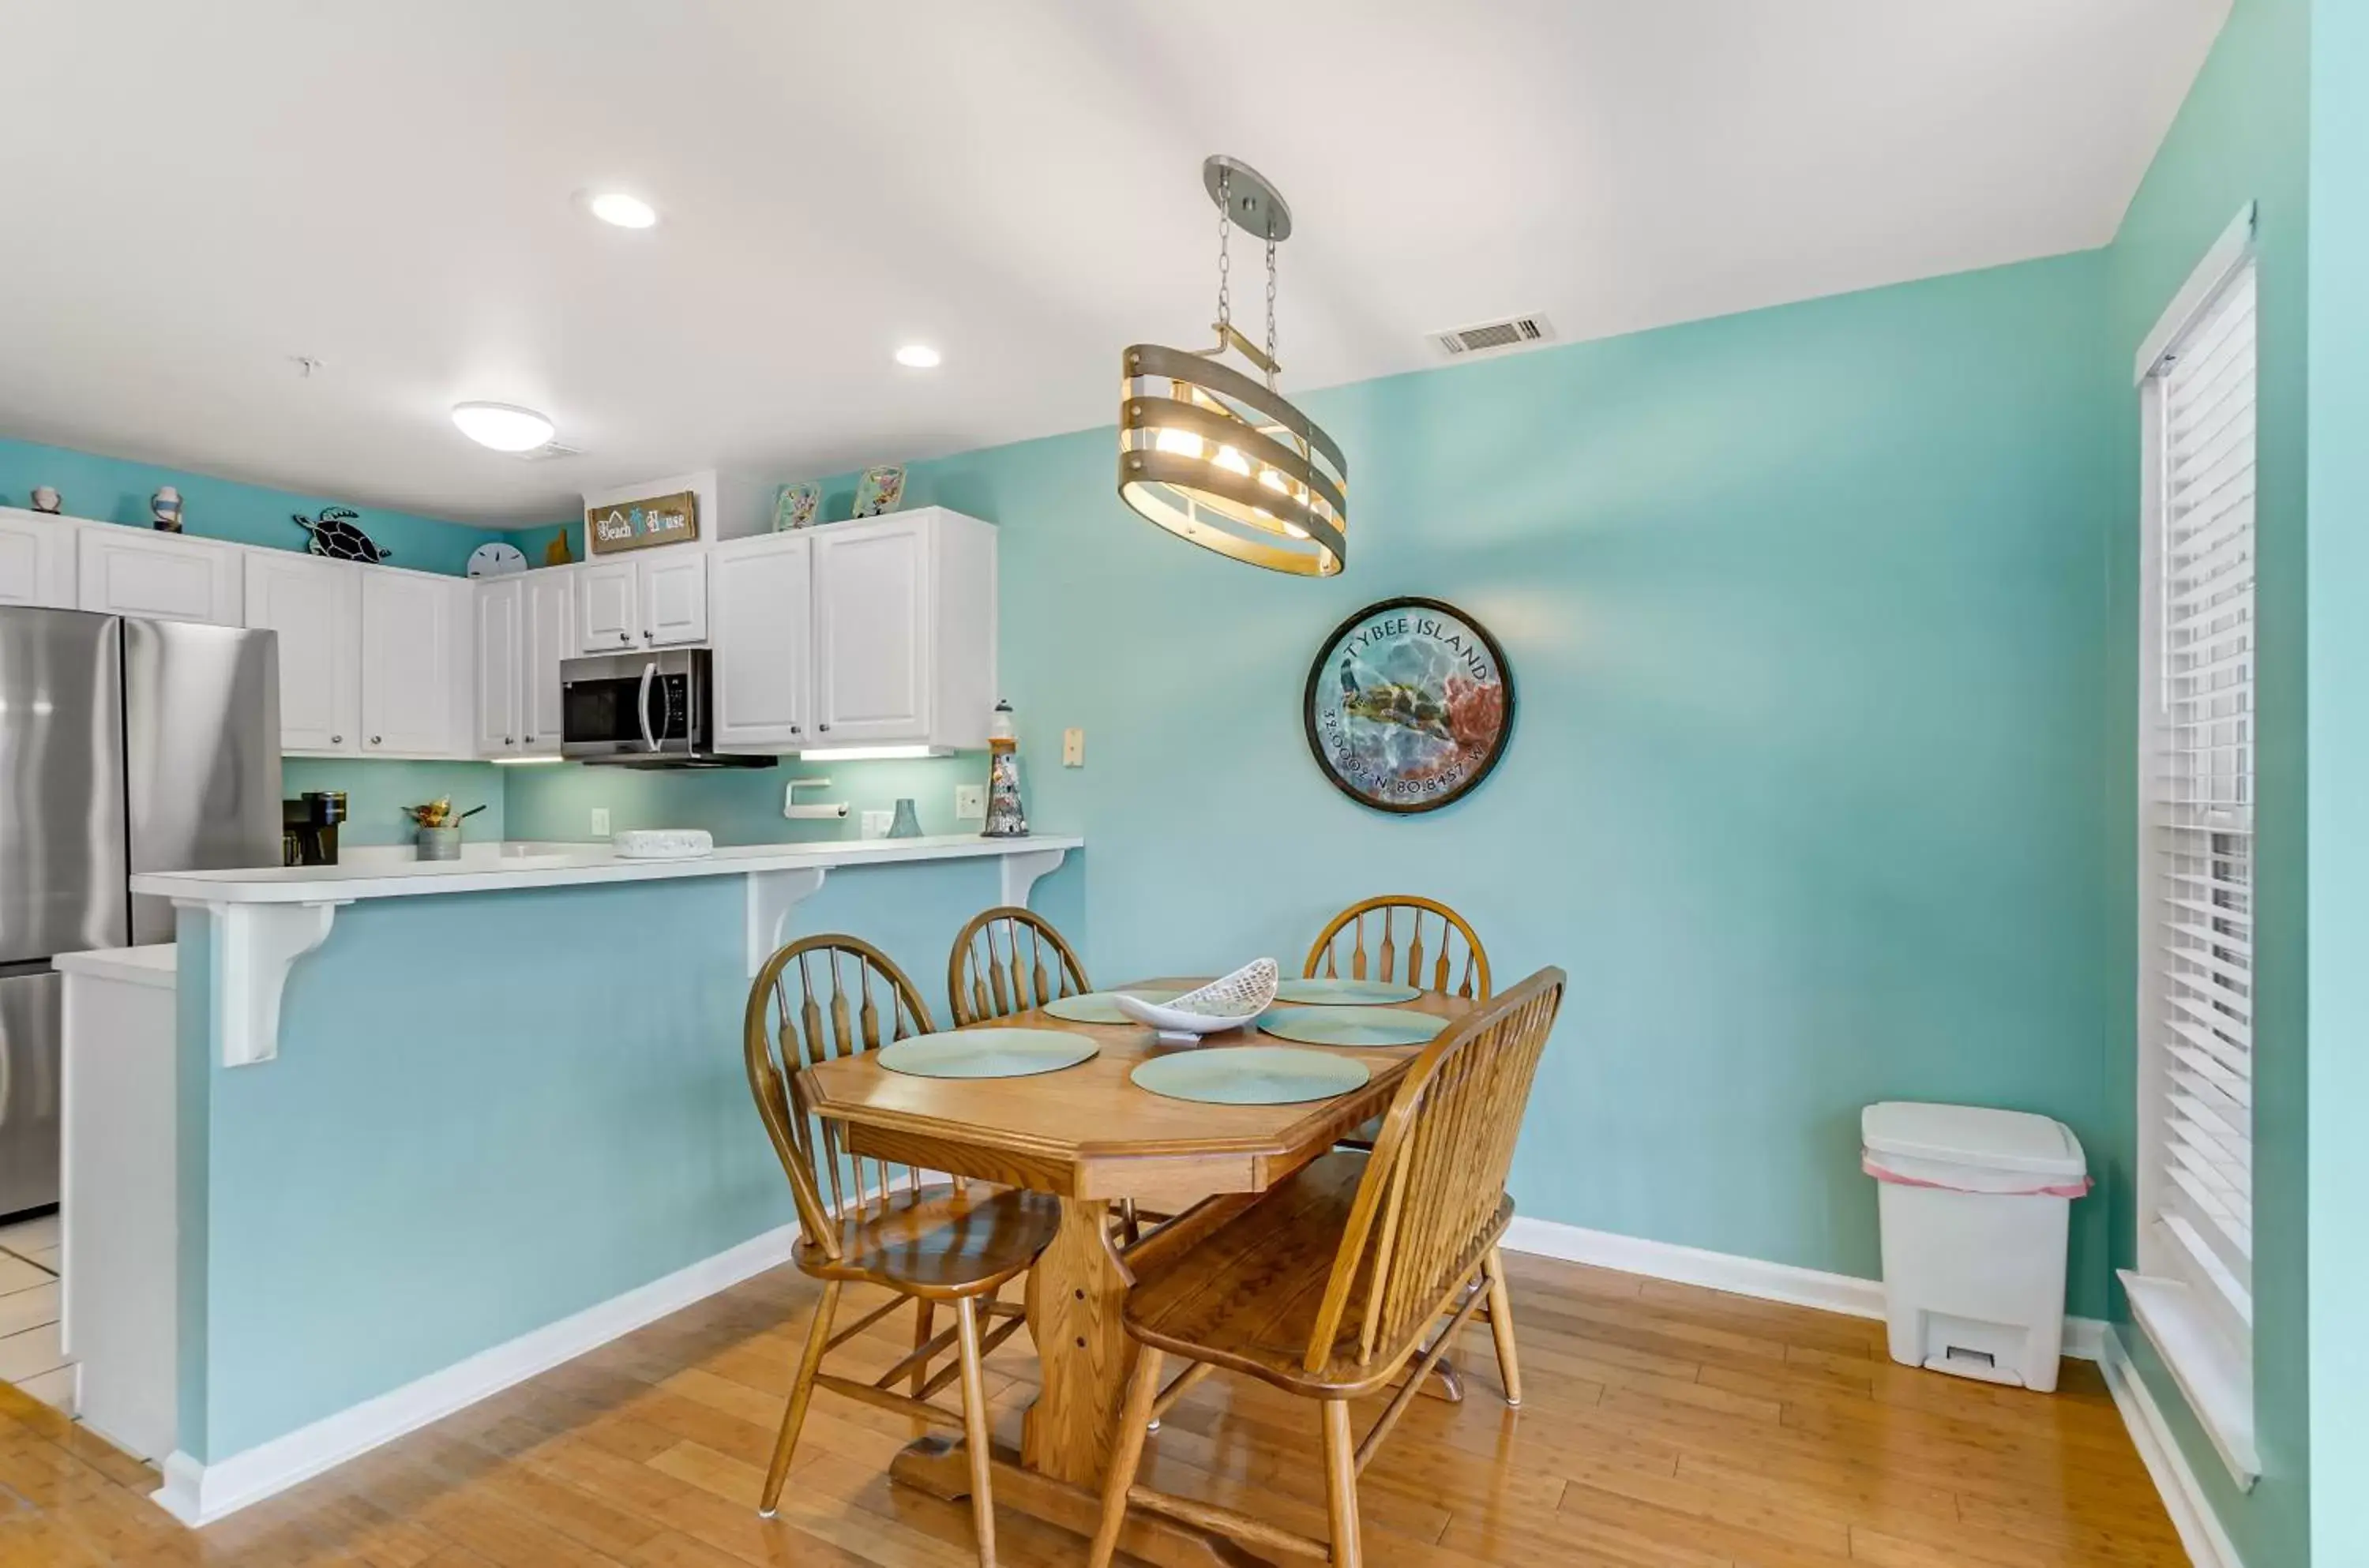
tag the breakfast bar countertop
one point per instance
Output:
(561, 865)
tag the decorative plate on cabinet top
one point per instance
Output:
(496, 560)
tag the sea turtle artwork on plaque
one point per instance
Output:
(336, 535)
(1409, 704)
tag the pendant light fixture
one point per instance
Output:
(1217, 456)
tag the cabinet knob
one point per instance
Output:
(624, 636)
(795, 730)
(822, 727)
(508, 741)
(375, 740)
(337, 740)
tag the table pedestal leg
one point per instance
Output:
(939, 1467)
(1076, 1293)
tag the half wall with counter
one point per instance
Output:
(441, 1127)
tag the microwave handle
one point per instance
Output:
(650, 674)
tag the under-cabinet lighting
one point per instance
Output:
(870, 753)
(524, 761)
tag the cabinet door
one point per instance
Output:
(548, 637)
(37, 560)
(607, 613)
(872, 635)
(674, 596)
(315, 606)
(132, 571)
(501, 611)
(412, 627)
(759, 601)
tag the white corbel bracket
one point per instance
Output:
(253, 948)
(1022, 872)
(772, 895)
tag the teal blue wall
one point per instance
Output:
(2242, 135)
(116, 490)
(1807, 609)
(2337, 482)
(739, 805)
(377, 789)
(488, 1112)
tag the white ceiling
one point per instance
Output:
(196, 194)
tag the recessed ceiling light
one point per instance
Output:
(625, 211)
(919, 357)
(503, 425)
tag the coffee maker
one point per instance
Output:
(308, 827)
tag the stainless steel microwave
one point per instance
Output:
(644, 710)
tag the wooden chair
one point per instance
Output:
(1399, 923)
(988, 979)
(1009, 960)
(1339, 1276)
(823, 997)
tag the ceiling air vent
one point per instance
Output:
(1494, 337)
(548, 451)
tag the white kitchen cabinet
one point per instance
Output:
(416, 660)
(547, 638)
(905, 631)
(36, 559)
(674, 594)
(315, 606)
(608, 607)
(500, 625)
(120, 570)
(759, 601)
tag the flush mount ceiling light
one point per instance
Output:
(1217, 456)
(503, 425)
(919, 357)
(618, 208)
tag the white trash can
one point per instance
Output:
(1974, 1205)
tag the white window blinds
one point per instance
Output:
(2201, 838)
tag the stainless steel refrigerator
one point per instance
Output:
(125, 746)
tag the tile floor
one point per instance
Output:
(30, 1357)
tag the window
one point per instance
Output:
(2194, 1290)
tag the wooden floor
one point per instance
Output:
(1665, 1427)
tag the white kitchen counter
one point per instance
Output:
(263, 920)
(557, 867)
(153, 966)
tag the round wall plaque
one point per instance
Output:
(1409, 704)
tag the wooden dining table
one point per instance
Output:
(1091, 1138)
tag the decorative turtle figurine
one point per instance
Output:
(334, 535)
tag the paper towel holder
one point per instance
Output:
(822, 811)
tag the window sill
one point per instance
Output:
(2213, 1376)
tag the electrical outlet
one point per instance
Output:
(970, 803)
(1074, 748)
(600, 821)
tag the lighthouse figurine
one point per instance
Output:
(1006, 817)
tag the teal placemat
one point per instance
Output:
(1250, 1075)
(987, 1053)
(1350, 1025)
(1344, 993)
(1096, 1006)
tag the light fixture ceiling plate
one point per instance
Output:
(1257, 206)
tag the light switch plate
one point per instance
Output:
(600, 821)
(1074, 748)
(970, 803)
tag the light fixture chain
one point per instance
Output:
(1270, 313)
(1225, 263)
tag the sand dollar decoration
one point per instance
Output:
(1409, 704)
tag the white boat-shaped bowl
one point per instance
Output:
(1231, 1002)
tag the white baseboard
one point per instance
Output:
(2085, 1338)
(2200, 1528)
(198, 1493)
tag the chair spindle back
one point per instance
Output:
(816, 1000)
(1389, 938)
(1426, 1208)
(1009, 960)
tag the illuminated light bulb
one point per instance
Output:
(1233, 462)
(1183, 442)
